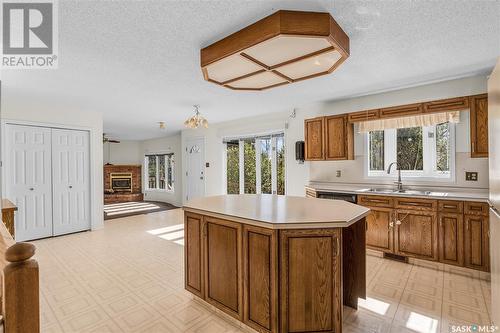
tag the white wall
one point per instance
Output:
(171, 144)
(20, 109)
(298, 175)
(125, 152)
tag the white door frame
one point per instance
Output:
(186, 177)
(93, 180)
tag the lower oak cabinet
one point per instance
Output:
(380, 229)
(223, 266)
(448, 231)
(416, 234)
(476, 242)
(236, 270)
(193, 257)
(308, 275)
(260, 254)
(451, 238)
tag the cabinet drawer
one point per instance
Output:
(450, 104)
(376, 201)
(450, 206)
(476, 208)
(401, 110)
(364, 115)
(416, 204)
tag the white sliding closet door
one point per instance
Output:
(71, 181)
(28, 177)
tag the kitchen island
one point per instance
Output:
(276, 263)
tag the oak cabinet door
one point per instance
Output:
(380, 231)
(479, 125)
(477, 242)
(310, 280)
(260, 278)
(223, 267)
(193, 254)
(314, 139)
(451, 238)
(416, 234)
(339, 138)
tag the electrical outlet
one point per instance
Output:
(471, 176)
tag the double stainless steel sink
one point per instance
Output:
(403, 192)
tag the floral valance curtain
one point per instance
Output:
(410, 121)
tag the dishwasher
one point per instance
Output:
(338, 196)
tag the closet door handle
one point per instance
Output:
(70, 186)
(32, 189)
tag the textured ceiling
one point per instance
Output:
(137, 62)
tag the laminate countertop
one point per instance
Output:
(278, 211)
(433, 193)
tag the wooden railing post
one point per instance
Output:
(21, 290)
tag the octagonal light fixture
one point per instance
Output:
(285, 47)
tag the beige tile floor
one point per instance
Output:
(128, 277)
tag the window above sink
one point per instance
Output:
(423, 153)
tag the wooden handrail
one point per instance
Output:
(20, 298)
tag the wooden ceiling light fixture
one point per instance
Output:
(285, 47)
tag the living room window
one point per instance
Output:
(255, 164)
(420, 151)
(159, 172)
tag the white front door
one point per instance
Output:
(195, 150)
(71, 181)
(28, 176)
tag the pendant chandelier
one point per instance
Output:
(196, 120)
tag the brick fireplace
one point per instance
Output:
(122, 183)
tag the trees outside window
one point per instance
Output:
(256, 165)
(159, 171)
(420, 151)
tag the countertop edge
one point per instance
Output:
(357, 192)
(278, 226)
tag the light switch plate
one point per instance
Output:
(471, 176)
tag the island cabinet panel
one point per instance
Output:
(416, 234)
(379, 229)
(193, 279)
(451, 238)
(479, 125)
(476, 242)
(310, 278)
(260, 271)
(314, 139)
(223, 267)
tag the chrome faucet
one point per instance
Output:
(399, 183)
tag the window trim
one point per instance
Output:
(168, 155)
(390, 156)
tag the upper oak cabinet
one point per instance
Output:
(315, 139)
(339, 138)
(329, 138)
(479, 125)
